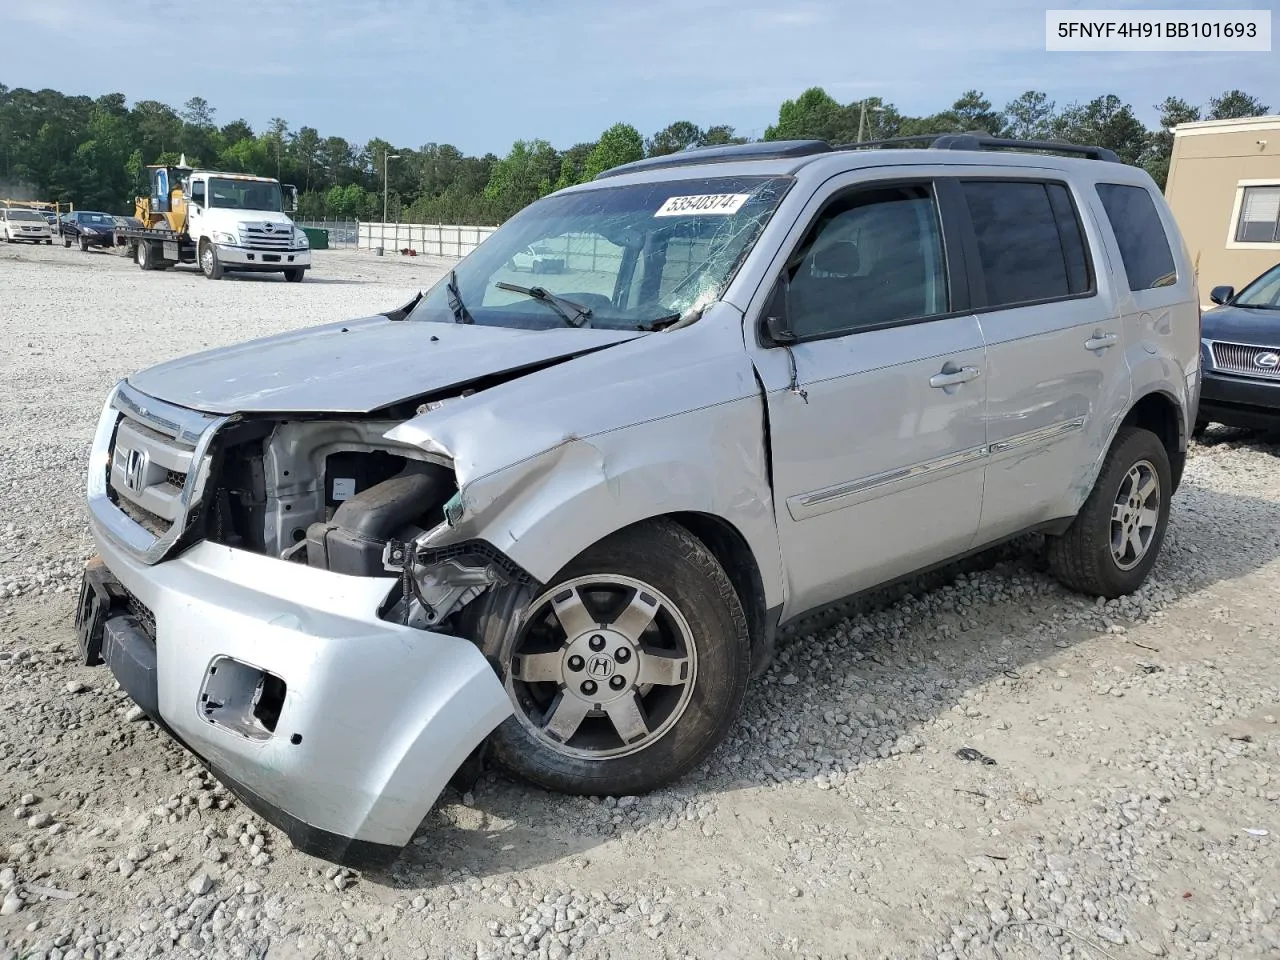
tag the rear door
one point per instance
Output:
(1057, 379)
(876, 408)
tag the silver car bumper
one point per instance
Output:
(375, 718)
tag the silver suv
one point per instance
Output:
(562, 519)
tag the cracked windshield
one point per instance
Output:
(627, 257)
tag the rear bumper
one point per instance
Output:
(336, 726)
(1240, 401)
(242, 258)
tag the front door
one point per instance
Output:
(197, 203)
(877, 407)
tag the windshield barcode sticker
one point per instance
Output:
(723, 203)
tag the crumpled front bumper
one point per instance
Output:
(375, 717)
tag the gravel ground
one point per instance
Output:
(1132, 809)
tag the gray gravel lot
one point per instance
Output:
(1133, 809)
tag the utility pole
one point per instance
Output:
(386, 159)
(862, 117)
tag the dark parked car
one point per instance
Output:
(1240, 356)
(88, 228)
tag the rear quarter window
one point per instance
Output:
(1139, 233)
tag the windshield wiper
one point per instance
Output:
(460, 312)
(554, 301)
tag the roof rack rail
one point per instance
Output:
(981, 140)
(724, 153)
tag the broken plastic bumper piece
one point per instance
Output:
(338, 727)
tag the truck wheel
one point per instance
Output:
(146, 255)
(295, 275)
(49, 241)
(625, 671)
(210, 265)
(1113, 542)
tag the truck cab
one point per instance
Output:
(239, 223)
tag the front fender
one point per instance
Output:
(546, 510)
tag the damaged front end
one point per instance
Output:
(261, 593)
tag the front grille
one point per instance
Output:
(1243, 358)
(278, 239)
(148, 473)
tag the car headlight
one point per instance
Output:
(89, 231)
(221, 236)
(300, 239)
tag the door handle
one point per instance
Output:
(1100, 341)
(950, 378)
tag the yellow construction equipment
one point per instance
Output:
(165, 208)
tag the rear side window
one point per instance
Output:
(1144, 248)
(1029, 241)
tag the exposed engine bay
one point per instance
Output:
(337, 496)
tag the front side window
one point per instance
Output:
(635, 256)
(1144, 248)
(1029, 243)
(197, 192)
(1259, 215)
(873, 257)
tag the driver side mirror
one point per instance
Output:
(290, 198)
(775, 324)
(1222, 294)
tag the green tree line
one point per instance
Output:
(94, 151)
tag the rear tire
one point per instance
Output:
(688, 636)
(1114, 540)
(146, 255)
(295, 275)
(210, 265)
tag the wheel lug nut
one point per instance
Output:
(596, 642)
(623, 655)
(576, 662)
(588, 687)
(617, 682)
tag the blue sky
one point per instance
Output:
(482, 73)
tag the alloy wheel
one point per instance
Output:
(603, 667)
(1135, 515)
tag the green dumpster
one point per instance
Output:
(318, 238)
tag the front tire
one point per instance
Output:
(1114, 540)
(67, 242)
(295, 275)
(84, 245)
(210, 265)
(625, 671)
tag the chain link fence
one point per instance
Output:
(343, 234)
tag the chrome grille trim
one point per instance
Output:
(155, 444)
(279, 239)
(1239, 358)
